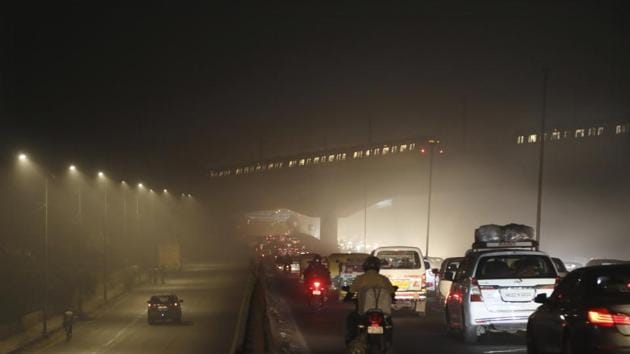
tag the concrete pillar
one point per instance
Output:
(328, 232)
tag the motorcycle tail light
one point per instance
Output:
(375, 319)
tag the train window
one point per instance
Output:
(520, 139)
(343, 156)
(555, 135)
(600, 131)
(270, 166)
(331, 158)
(316, 161)
(302, 162)
(403, 147)
(579, 133)
(385, 150)
(412, 146)
(394, 149)
(532, 138)
(308, 161)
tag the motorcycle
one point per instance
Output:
(374, 331)
(378, 330)
(316, 293)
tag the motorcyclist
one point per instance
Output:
(368, 280)
(68, 321)
(316, 270)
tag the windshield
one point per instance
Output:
(615, 283)
(515, 266)
(399, 259)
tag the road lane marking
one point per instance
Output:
(120, 333)
(515, 350)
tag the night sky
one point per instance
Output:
(165, 90)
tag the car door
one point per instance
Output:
(552, 316)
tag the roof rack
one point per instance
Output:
(530, 245)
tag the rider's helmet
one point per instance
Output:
(373, 263)
(317, 259)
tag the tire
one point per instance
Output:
(469, 333)
(421, 308)
(375, 345)
(567, 345)
(450, 331)
(532, 348)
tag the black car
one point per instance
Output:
(589, 312)
(163, 308)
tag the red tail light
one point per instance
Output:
(375, 319)
(316, 284)
(603, 317)
(475, 291)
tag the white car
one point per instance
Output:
(449, 266)
(404, 266)
(495, 286)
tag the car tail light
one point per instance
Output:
(375, 319)
(316, 284)
(475, 291)
(602, 317)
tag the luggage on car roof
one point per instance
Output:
(505, 233)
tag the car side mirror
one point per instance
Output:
(435, 271)
(541, 298)
(449, 276)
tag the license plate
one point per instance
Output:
(375, 330)
(402, 284)
(317, 292)
(517, 294)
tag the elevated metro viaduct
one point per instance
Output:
(489, 179)
(342, 185)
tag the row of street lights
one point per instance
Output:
(23, 159)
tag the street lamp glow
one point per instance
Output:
(101, 174)
(72, 168)
(140, 185)
(165, 190)
(189, 195)
(22, 157)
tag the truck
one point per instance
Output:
(170, 255)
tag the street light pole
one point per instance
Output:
(105, 247)
(541, 164)
(45, 272)
(432, 144)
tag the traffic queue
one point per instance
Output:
(503, 283)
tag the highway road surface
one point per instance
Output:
(212, 298)
(324, 330)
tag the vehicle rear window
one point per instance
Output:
(162, 299)
(399, 260)
(610, 283)
(515, 266)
